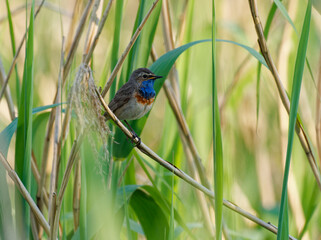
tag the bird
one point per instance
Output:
(135, 98)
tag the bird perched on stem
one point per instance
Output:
(135, 98)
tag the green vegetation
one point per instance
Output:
(233, 118)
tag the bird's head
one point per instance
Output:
(143, 74)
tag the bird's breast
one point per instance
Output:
(144, 101)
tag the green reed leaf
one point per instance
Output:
(283, 224)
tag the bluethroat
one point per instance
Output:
(135, 98)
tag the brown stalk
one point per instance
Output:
(92, 25)
(52, 210)
(173, 99)
(66, 70)
(74, 18)
(7, 92)
(100, 28)
(172, 92)
(74, 45)
(34, 226)
(284, 98)
(169, 44)
(65, 179)
(76, 194)
(125, 53)
(14, 61)
(146, 150)
(24, 192)
(36, 174)
(55, 216)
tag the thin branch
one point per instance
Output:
(24, 192)
(125, 53)
(146, 150)
(284, 98)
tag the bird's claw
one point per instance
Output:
(135, 136)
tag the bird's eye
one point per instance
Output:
(145, 76)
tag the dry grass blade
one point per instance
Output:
(74, 45)
(146, 150)
(24, 192)
(125, 53)
(14, 61)
(100, 28)
(285, 100)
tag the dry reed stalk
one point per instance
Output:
(52, 209)
(65, 179)
(24, 192)
(74, 19)
(125, 53)
(92, 25)
(146, 150)
(36, 174)
(75, 43)
(14, 61)
(284, 98)
(66, 70)
(99, 30)
(34, 226)
(76, 194)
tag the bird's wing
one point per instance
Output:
(122, 96)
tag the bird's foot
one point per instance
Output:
(136, 138)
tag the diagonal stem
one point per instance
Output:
(283, 95)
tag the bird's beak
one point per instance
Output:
(155, 77)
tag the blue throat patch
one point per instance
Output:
(146, 89)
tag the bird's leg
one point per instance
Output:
(134, 134)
